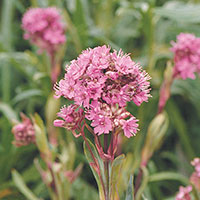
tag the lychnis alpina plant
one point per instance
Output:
(45, 29)
(100, 83)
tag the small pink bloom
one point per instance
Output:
(183, 193)
(71, 117)
(130, 127)
(102, 124)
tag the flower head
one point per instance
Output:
(186, 55)
(24, 132)
(44, 28)
(102, 82)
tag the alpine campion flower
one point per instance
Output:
(102, 82)
(184, 193)
(186, 55)
(24, 132)
(44, 28)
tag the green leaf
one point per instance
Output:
(8, 111)
(115, 175)
(80, 23)
(26, 95)
(100, 162)
(155, 135)
(129, 191)
(6, 23)
(82, 190)
(51, 109)
(168, 176)
(40, 132)
(181, 128)
(143, 184)
(186, 13)
(22, 186)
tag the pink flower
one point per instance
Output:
(24, 132)
(101, 80)
(71, 118)
(183, 193)
(130, 127)
(186, 55)
(44, 28)
(102, 124)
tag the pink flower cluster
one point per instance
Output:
(44, 28)
(102, 82)
(24, 132)
(186, 55)
(184, 193)
(195, 177)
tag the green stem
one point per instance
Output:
(143, 185)
(106, 168)
(6, 31)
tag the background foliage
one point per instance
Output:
(142, 28)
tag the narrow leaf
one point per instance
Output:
(26, 95)
(168, 176)
(8, 111)
(91, 162)
(129, 191)
(22, 186)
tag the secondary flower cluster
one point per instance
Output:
(184, 192)
(186, 55)
(24, 132)
(102, 82)
(195, 177)
(44, 28)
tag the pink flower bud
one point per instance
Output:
(24, 132)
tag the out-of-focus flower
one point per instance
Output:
(184, 193)
(44, 28)
(24, 132)
(196, 164)
(102, 82)
(195, 177)
(186, 55)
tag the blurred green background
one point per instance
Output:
(142, 28)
